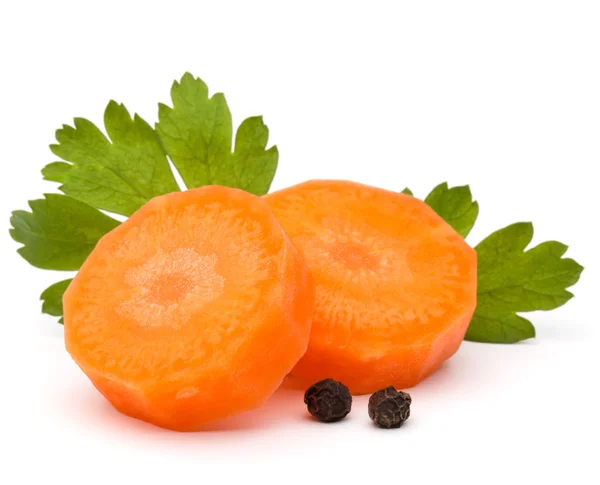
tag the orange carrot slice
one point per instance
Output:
(395, 284)
(192, 310)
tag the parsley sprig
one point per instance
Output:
(121, 172)
(511, 279)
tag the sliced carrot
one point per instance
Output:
(192, 310)
(395, 284)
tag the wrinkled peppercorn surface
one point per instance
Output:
(389, 408)
(328, 400)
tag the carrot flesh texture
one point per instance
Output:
(395, 284)
(192, 310)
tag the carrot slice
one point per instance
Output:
(192, 310)
(395, 284)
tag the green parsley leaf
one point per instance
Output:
(407, 191)
(197, 132)
(52, 297)
(121, 172)
(118, 175)
(504, 329)
(455, 205)
(511, 279)
(59, 232)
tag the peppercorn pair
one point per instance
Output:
(330, 401)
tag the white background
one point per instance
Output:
(504, 96)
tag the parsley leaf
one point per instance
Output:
(59, 232)
(122, 172)
(455, 206)
(118, 177)
(511, 279)
(52, 297)
(407, 191)
(197, 132)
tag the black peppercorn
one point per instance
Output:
(328, 400)
(389, 408)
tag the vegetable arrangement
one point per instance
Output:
(198, 305)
